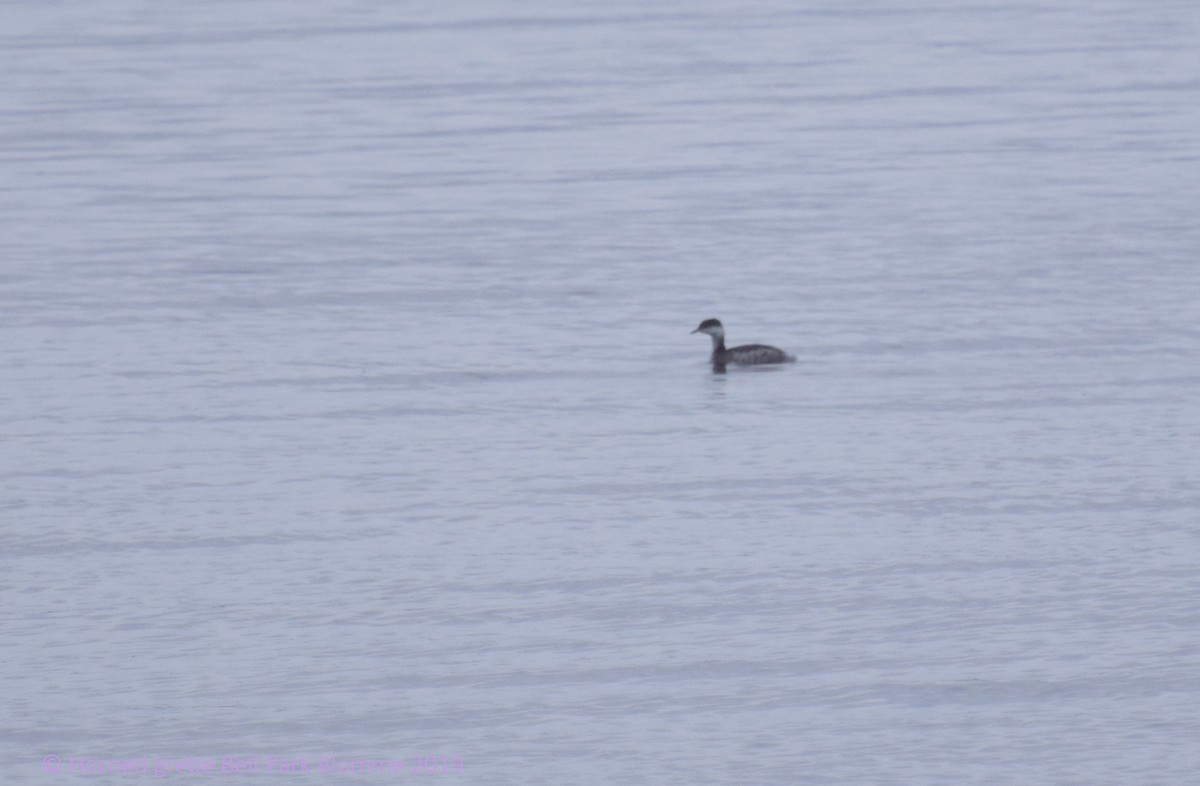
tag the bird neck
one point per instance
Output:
(718, 345)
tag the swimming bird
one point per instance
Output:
(745, 355)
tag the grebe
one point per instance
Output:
(745, 355)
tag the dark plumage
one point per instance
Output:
(745, 355)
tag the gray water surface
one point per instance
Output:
(349, 408)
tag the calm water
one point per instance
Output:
(349, 407)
